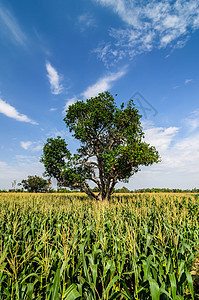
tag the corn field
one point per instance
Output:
(138, 246)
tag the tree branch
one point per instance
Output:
(96, 181)
(113, 141)
(88, 191)
(89, 163)
(113, 184)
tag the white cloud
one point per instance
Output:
(148, 25)
(11, 112)
(179, 167)
(69, 102)
(183, 156)
(178, 154)
(161, 137)
(103, 84)
(25, 145)
(26, 159)
(37, 148)
(9, 25)
(32, 146)
(53, 109)
(54, 79)
(192, 121)
(23, 167)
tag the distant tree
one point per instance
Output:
(63, 190)
(111, 147)
(35, 184)
(123, 190)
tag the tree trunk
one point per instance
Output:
(101, 197)
(108, 195)
(109, 189)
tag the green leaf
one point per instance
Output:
(56, 285)
(110, 285)
(190, 283)
(154, 289)
(71, 293)
(173, 285)
(94, 273)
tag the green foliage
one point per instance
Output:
(35, 184)
(122, 190)
(111, 146)
(54, 154)
(165, 190)
(56, 246)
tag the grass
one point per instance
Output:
(59, 246)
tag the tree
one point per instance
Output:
(35, 184)
(111, 147)
(123, 190)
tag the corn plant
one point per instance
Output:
(138, 246)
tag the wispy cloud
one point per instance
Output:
(10, 25)
(85, 21)
(29, 145)
(192, 121)
(26, 145)
(188, 81)
(37, 148)
(176, 87)
(54, 79)
(69, 102)
(26, 159)
(185, 154)
(11, 112)
(103, 84)
(148, 25)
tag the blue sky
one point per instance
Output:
(53, 53)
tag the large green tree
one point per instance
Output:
(111, 147)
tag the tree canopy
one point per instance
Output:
(35, 184)
(112, 146)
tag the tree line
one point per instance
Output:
(45, 188)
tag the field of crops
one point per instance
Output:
(139, 246)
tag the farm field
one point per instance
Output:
(65, 246)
